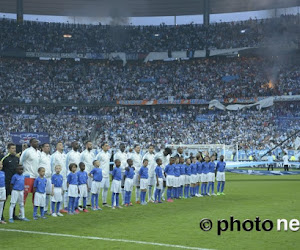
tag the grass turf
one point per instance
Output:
(269, 197)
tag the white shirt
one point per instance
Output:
(87, 157)
(73, 157)
(104, 159)
(165, 159)
(285, 159)
(45, 162)
(151, 163)
(59, 159)
(122, 156)
(137, 161)
(30, 159)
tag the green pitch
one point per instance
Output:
(269, 197)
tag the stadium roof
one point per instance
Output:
(138, 8)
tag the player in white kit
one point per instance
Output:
(136, 158)
(150, 156)
(87, 157)
(59, 158)
(45, 162)
(104, 158)
(122, 156)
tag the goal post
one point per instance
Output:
(221, 149)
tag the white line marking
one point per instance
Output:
(101, 238)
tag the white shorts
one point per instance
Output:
(194, 178)
(57, 197)
(122, 179)
(39, 199)
(144, 183)
(151, 181)
(105, 182)
(160, 183)
(211, 177)
(48, 186)
(187, 180)
(17, 197)
(182, 180)
(170, 180)
(199, 177)
(220, 176)
(73, 190)
(128, 186)
(83, 191)
(2, 194)
(115, 186)
(136, 179)
(96, 187)
(204, 177)
(64, 185)
(176, 181)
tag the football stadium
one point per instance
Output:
(130, 124)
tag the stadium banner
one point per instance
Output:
(262, 172)
(20, 138)
(54, 55)
(237, 103)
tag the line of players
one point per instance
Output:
(130, 170)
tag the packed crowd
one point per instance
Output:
(49, 37)
(252, 129)
(67, 81)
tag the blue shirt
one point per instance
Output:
(205, 167)
(177, 170)
(129, 173)
(144, 172)
(97, 174)
(40, 185)
(72, 179)
(182, 169)
(199, 167)
(158, 172)
(194, 168)
(57, 180)
(82, 177)
(18, 182)
(2, 179)
(116, 173)
(169, 169)
(221, 166)
(188, 170)
(212, 166)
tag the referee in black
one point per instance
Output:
(10, 163)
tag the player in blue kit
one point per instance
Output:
(220, 177)
(2, 192)
(116, 184)
(158, 181)
(128, 184)
(96, 175)
(57, 191)
(176, 179)
(72, 184)
(193, 177)
(82, 186)
(188, 173)
(17, 194)
(169, 174)
(39, 190)
(211, 176)
(143, 178)
(204, 178)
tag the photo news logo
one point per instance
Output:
(248, 225)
